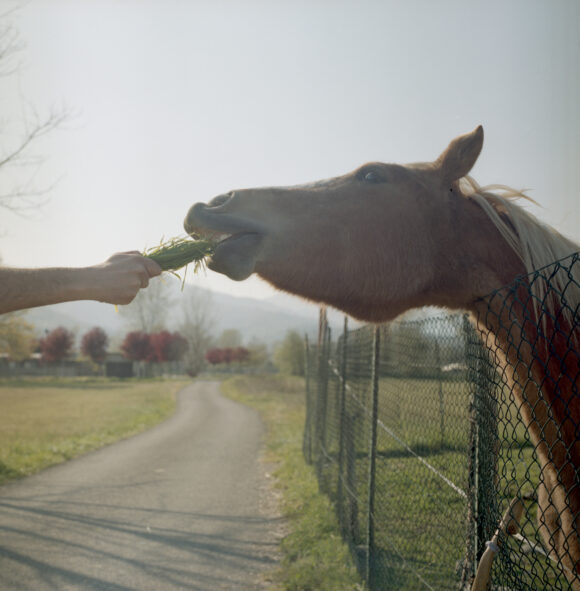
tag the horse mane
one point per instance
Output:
(537, 244)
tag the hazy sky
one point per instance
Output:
(178, 101)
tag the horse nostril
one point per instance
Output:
(220, 199)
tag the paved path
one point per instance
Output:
(177, 507)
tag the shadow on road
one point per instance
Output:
(79, 540)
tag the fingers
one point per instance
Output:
(123, 275)
(153, 269)
(144, 280)
(136, 260)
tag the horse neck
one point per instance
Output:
(537, 354)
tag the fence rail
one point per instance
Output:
(419, 442)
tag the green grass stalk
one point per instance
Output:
(177, 253)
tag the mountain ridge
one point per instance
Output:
(263, 320)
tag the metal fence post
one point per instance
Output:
(373, 457)
(307, 440)
(341, 425)
(439, 374)
(483, 510)
(472, 358)
(322, 396)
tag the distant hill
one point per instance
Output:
(266, 320)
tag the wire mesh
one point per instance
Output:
(468, 421)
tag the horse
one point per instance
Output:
(387, 238)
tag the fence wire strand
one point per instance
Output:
(471, 418)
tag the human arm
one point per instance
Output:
(116, 281)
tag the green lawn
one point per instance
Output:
(422, 477)
(421, 469)
(44, 421)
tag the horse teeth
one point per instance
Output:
(202, 234)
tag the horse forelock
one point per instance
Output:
(538, 245)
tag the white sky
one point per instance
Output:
(178, 101)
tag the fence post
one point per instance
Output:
(307, 440)
(483, 510)
(441, 399)
(373, 457)
(471, 550)
(341, 425)
(487, 446)
(322, 395)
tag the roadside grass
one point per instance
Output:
(314, 555)
(45, 421)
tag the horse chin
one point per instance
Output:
(236, 256)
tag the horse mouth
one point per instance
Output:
(237, 247)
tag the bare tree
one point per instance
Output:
(196, 328)
(19, 192)
(149, 310)
(231, 337)
(10, 43)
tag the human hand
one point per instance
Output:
(121, 276)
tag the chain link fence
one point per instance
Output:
(420, 439)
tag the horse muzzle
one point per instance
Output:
(239, 240)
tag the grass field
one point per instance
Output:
(423, 464)
(44, 421)
(421, 476)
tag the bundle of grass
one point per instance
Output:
(172, 255)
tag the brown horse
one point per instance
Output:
(386, 238)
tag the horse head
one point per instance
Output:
(373, 242)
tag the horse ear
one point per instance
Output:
(460, 156)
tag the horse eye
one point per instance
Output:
(372, 177)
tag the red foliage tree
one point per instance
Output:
(159, 343)
(137, 346)
(161, 346)
(214, 356)
(227, 355)
(177, 347)
(166, 346)
(94, 344)
(56, 345)
(241, 354)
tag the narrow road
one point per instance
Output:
(175, 508)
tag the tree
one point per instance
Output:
(214, 356)
(16, 336)
(148, 311)
(56, 345)
(166, 346)
(258, 353)
(230, 338)
(240, 355)
(196, 328)
(22, 134)
(227, 355)
(289, 356)
(177, 347)
(137, 346)
(94, 344)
